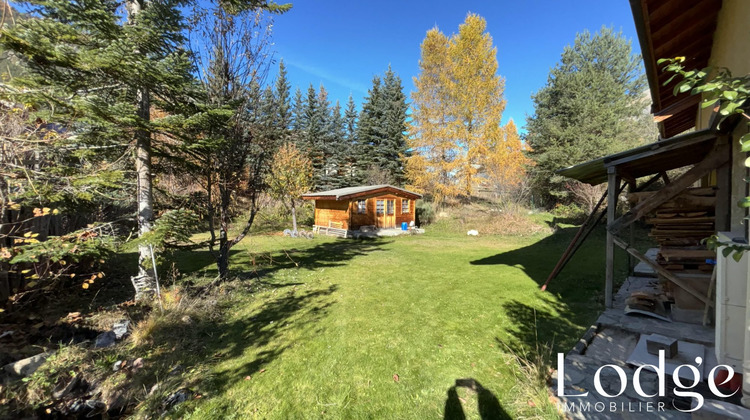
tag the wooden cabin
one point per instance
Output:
(382, 206)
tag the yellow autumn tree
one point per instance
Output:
(291, 176)
(434, 160)
(504, 163)
(456, 111)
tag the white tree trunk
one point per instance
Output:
(144, 282)
(294, 216)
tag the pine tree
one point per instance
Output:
(337, 148)
(268, 124)
(370, 130)
(104, 68)
(392, 148)
(586, 110)
(312, 124)
(299, 123)
(283, 103)
(351, 144)
(324, 147)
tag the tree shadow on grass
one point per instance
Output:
(260, 265)
(583, 275)
(263, 330)
(540, 331)
(488, 405)
(573, 301)
(538, 259)
(576, 295)
(246, 344)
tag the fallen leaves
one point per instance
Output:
(395, 377)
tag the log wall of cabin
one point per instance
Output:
(360, 219)
(371, 218)
(345, 212)
(404, 217)
(332, 211)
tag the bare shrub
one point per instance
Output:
(508, 219)
(585, 195)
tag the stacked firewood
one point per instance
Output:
(679, 226)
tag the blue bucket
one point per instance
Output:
(404, 226)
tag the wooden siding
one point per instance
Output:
(346, 212)
(404, 217)
(365, 219)
(332, 211)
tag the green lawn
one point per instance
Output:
(324, 326)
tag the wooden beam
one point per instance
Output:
(648, 183)
(675, 108)
(613, 184)
(662, 271)
(568, 251)
(723, 197)
(578, 240)
(631, 260)
(716, 158)
(660, 147)
(665, 177)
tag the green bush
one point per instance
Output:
(568, 211)
(425, 212)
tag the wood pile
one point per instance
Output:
(679, 226)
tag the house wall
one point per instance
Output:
(370, 218)
(404, 217)
(366, 219)
(730, 51)
(332, 211)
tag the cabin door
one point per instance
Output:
(386, 213)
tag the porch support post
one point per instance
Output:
(613, 184)
(631, 259)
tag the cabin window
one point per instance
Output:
(391, 204)
(380, 206)
(405, 206)
(361, 206)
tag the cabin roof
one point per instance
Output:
(349, 193)
(661, 156)
(668, 29)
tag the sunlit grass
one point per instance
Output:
(333, 328)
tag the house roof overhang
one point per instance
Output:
(654, 158)
(668, 29)
(351, 193)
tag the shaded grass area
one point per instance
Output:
(410, 327)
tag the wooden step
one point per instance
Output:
(677, 219)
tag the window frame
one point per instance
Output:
(380, 206)
(361, 206)
(408, 206)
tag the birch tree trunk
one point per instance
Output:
(294, 216)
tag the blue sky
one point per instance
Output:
(344, 44)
